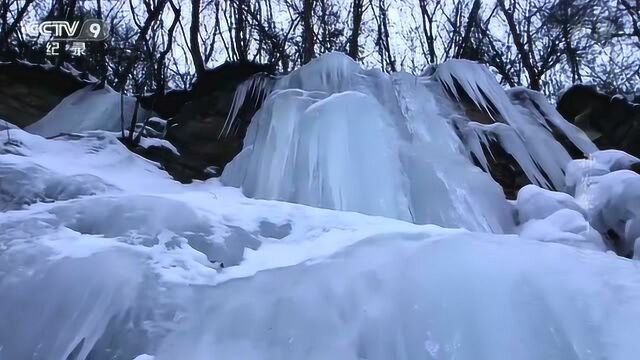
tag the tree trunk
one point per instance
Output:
(194, 37)
(529, 67)
(464, 50)
(308, 41)
(152, 17)
(354, 46)
(14, 25)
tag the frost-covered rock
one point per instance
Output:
(564, 226)
(551, 216)
(537, 203)
(610, 195)
(612, 202)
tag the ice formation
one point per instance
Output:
(88, 109)
(135, 271)
(104, 256)
(308, 141)
(610, 195)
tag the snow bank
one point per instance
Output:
(137, 271)
(88, 109)
(405, 297)
(610, 195)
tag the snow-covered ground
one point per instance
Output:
(128, 262)
(104, 256)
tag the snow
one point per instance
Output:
(134, 271)
(146, 142)
(537, 203)
(87, 109)
(5, 125)
(610, 195)
(104, 256)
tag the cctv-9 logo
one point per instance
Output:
(93, 30)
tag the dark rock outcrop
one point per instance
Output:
(611, 121)
(30, 91)
(197, 129)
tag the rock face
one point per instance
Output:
(28, 92)
(196, 129)
(611, 122)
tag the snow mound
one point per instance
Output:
(25, 184)
(537, 203)
(551, 216)
(88, 109)
(610, 195)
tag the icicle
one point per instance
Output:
(540, 109)
(525, 114)
(336, 136)
(256, 87)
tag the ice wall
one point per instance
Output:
(334, 135)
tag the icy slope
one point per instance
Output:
(134, 266)
(334, 135)
(87, 109)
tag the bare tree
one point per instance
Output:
(428, 9)
(153, 14)
(308, 37)
(194, 38)
(383, 44)
(7, 31)
(464, 48)
(357, 11)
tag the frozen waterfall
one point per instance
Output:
(103, 256)
(336, 136)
